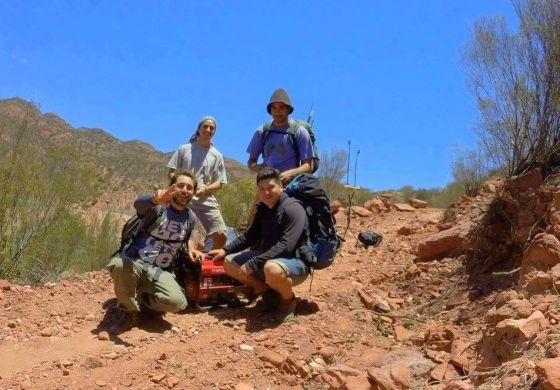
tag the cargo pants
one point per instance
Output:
(137, 283)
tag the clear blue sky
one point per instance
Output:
(386, 75)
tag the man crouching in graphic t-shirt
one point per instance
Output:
(142, 272)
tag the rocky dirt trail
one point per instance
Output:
(402, 315)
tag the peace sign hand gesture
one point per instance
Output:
(162, 197)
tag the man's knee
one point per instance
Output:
(274, 272)
(117, 266)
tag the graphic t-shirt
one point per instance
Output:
(159, 247)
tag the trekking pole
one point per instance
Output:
(350, 191)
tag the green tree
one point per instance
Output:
(42, 234)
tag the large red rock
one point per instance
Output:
(514, 309)
(335, 206)
(442, 244)
(360, 382)
(361, 212)
(536, 282)
(542, 254)
(513, 336)
(375, 205)
(526, 181)
(417, 203)
(548, 372)
(403, 207)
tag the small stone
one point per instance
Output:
(244, 386)
(103, 336)
(100, 383)
(156, 378)
(246, 347)
(261, 337)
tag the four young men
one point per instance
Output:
(141, 276)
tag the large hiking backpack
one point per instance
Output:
(324, 241)
(135, 224)
(292, 131)
(154, 217)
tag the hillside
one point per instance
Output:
(427, 309)
(125, 168)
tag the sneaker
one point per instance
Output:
(286, 310)
(126, 321)
(269, 301)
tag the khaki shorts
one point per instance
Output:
(210, 218)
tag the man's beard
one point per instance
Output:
(181, 201)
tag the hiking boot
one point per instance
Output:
(286, 310)
(269, 301)
(250, 295)
(126, 321)
(145, 311)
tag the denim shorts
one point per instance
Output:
(294, 268)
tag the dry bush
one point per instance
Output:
(515, 77)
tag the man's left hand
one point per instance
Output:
(196, 256)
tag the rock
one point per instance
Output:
(5, 285)
(330, 354)
(100, 383)
(504, 297)
(403, 207)
(335, 206)
(244, 386)
(46, 332)
(548, 372)
(92, 362)
(442, 244)
(381, 378)
(515, 309)
(373, 301)
(406, 231)
(103, 336)
(246, 347)
(375, 205)
(461, 298)
(542, 254)
(412, 272)
(401, 333)
(296, 366)
(158, 377)
(417, 203)
(513, 336)
(345, 370)
(445, 372)
(272, 357)
(359, 382)
(462, 385)
(414, 360)
(525, 181)
(361, 212)
(536, 282)
(489, 187)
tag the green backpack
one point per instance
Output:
(294, 125)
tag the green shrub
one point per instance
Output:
(42, 234)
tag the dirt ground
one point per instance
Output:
(54, 336)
